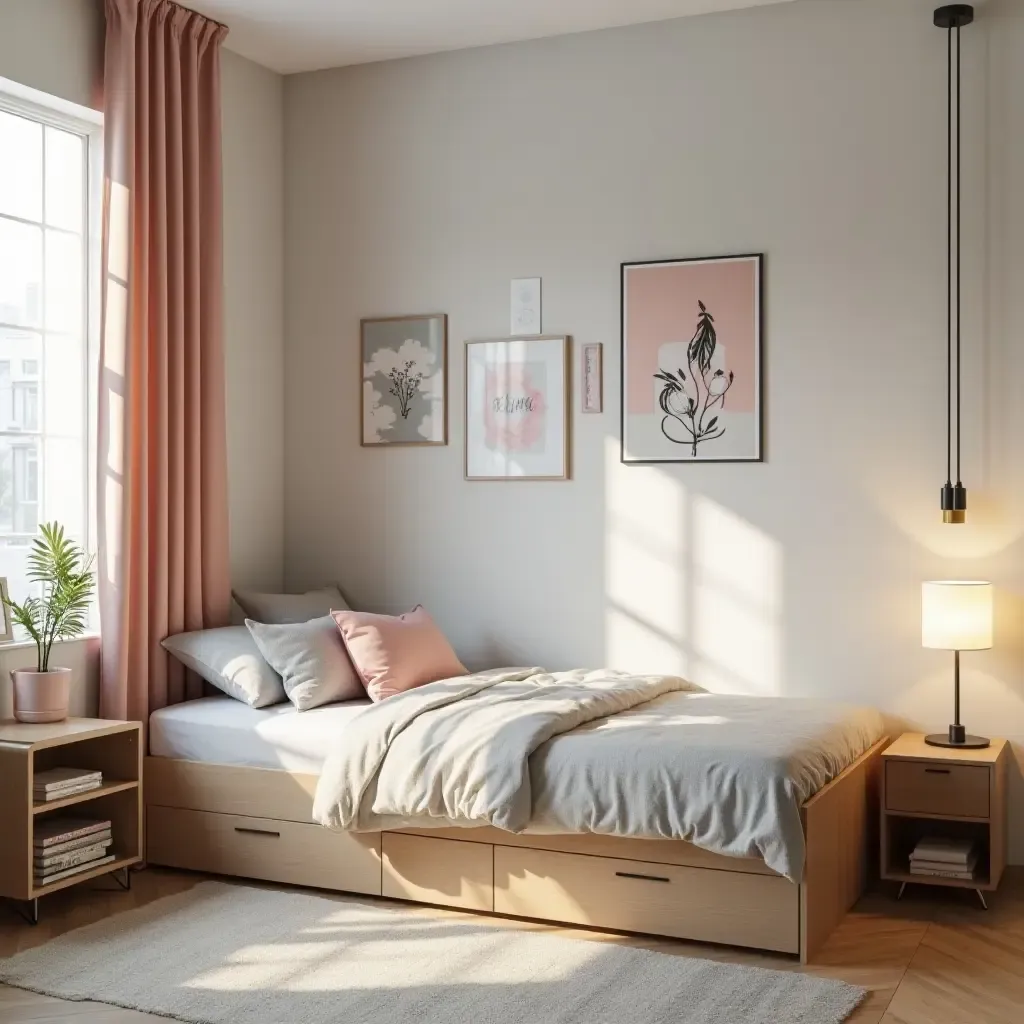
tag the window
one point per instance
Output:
(47, 261)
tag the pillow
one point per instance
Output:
(284, 608)
(229, 658)
(396, 653)
(311, 658)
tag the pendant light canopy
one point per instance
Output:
(952, 18)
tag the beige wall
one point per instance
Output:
(814, 132)
(57, 46)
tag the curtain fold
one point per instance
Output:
(162, 449)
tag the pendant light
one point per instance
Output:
(952, 18)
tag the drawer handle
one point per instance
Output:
(258, 832)
(937, 771)
(642, 878)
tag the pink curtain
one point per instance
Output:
(162, 465)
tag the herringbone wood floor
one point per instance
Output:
(935, 958)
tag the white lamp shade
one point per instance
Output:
(956, 615)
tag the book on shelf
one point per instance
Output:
(73, 844)
(944, 869)
(54, 779)
(63, 829)
(42, 796)
(947, 851)
(59, 876)
(59, 861)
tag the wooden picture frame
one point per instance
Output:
(540, 440)
(7, 626)
(691, 329)
(401, 406)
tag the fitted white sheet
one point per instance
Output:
(222, 730)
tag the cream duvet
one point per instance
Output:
(602, 752)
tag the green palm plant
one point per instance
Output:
(64, 571)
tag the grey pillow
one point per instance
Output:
(284, 608)
(311, 657)
(229, 659)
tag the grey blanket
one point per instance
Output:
(601, 752)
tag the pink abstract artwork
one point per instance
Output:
(691, 356)
(514, 407)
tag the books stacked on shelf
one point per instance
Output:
(944, 858)
(64, 846)
(59, 783)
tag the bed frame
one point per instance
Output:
(255, 823)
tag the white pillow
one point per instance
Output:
(285, 608)
(228, 658)
(311, 657)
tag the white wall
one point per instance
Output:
(814, 132)
(57, 46)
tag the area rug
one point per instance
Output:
(222, 953)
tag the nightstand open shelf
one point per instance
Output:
(938, 792)
(115, 749)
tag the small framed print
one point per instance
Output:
(404, 380)
(591, 385)
(517, 409)
(526, 309)
(8, 629)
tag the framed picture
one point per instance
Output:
(692, 360)
(404, 369)
(8, 628)
(591, 385)
(517, 409)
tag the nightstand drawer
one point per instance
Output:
(925, 787)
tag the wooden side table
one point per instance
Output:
(948, 793)
(115, 748)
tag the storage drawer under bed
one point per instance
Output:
(267, 848)
(730, 907)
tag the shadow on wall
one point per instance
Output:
(691, 588)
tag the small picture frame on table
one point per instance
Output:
(591, 383)
(8, 629)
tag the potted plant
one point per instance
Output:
(64, 572)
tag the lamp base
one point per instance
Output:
(956, 737)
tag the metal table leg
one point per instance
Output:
(28, 910)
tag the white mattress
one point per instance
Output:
(222, 730)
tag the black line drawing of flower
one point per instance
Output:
(687, 399)
(405, 382)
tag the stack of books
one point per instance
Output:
(944, 858)
(58, 783)
(66, 846)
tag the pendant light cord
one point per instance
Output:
(959, 246)
(949, 255)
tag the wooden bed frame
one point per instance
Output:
(255, 823)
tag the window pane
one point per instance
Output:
(63, 281)
(65, 185)
(19, 486)
(65, 388)
(64, 480)
(21, 273)
(16, 349)
(21, 167)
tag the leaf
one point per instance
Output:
(703, 308)
(711, 425)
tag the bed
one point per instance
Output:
(230, 790)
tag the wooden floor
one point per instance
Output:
(934, 958)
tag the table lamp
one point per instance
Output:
(956, 615)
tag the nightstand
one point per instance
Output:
(946, 793)
(115, 748)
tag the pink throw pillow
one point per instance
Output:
(394, 653)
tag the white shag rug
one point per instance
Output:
(226, 954)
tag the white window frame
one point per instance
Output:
(24, 101)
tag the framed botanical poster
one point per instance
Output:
(517, 409)
(404, 368)
(691, 360)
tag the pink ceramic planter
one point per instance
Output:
(41, 696)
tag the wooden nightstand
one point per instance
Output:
(948, 793)
(115, 748)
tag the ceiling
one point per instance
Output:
(305, 35)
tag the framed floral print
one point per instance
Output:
(692, 360)
(517, 408)
(404, 369)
